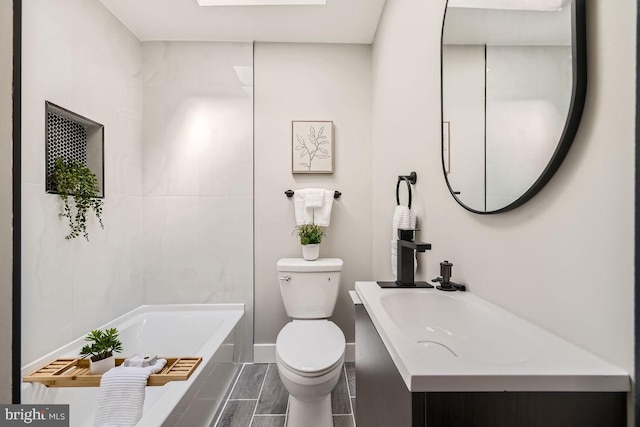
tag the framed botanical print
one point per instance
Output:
(312, 147)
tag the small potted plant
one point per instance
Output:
(310, 238)
(103, 345)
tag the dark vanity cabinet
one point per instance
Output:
(382, 397)
(385, 401)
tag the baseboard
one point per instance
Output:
(266, 353)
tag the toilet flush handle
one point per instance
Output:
(285, 278)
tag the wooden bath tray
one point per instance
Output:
(75, 372)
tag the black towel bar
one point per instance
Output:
(336, 194)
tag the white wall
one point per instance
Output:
(198, 174)
(565, 259)
(78, 56)
(311, 82)
(6, 69)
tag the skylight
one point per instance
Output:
(261, 2)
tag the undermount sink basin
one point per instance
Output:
(450, 325)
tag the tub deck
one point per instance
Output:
(76, 373)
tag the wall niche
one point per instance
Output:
(70, 135)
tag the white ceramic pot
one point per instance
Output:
(101, 366)
(311, 252)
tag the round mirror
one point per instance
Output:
(513, 86)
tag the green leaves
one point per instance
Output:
(77, 186)
(103, 344)
(309, 234)
(313, 149)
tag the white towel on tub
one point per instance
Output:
(140, 361)
(121, 397)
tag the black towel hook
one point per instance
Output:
(409, 179)
(412, 177)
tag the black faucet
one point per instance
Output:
(406, 246)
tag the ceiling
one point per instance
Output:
(339, 21)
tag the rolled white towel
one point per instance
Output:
(140, 361)
(133, 361)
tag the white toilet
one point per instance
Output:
(309, 349)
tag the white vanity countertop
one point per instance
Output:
(456, 341)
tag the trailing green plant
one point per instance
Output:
(309, 234)
(103, 344)
(77, 186)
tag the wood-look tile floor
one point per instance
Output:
(258, 399)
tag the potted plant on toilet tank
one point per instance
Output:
(100, 350)
(310, 238)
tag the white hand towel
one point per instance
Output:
(121, 398)
(313, 198)
(303, 214)
(322, 216)
(401, 219)
(405, 218)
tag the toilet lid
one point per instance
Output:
(310, 345)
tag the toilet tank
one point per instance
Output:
(309, 288)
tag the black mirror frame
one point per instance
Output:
(576, 107)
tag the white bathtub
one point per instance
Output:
(210, 331)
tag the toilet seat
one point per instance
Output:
(310, 348)
(307, 374)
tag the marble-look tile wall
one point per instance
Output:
(77, 55)
(198, 174)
